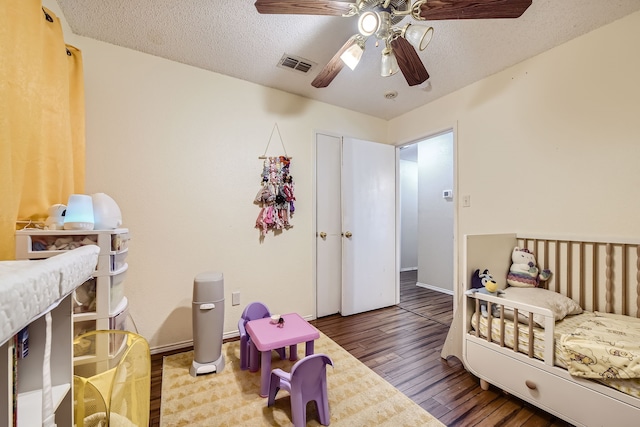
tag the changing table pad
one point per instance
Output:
(29, 288)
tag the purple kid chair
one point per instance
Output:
(249, 354)
(306, 382)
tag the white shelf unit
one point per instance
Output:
(99, 303)
(29, 385)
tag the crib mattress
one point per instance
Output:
(565, 326)
(29, 288)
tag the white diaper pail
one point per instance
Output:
(208, 323)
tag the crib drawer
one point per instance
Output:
(570, 400)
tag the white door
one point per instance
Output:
(369, 224)
(356, 227)
(328, 224)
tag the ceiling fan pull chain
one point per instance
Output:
(275, 127)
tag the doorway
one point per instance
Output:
(427, 211)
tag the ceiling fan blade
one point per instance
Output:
(304, 7)
(409, 62)
(473, 9)
(333, 67)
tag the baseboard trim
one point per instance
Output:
(435, 288)
(171, 347)
(187, 343)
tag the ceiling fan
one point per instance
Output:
(378, 17)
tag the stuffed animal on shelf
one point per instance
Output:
(485, 284)
(524, 272)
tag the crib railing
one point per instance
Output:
(517, 307)
(599, 275)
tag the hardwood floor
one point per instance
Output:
(402, 344)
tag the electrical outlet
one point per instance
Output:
(466, 201)
(235, 298)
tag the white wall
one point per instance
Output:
(549, 146)
(177, 147)
(435, 214)
(408, 215)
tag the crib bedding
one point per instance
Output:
(562, 328)
(28, 288)
(603, 347)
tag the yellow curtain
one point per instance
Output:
(42, 125)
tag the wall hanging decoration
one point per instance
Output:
(275, 197)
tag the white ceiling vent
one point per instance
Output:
(296, 63)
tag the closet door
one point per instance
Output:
(369, 273)
(328, 225)
(355, 226)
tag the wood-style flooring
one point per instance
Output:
(402, 344)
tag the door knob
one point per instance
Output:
(348, 234)
(322, 234)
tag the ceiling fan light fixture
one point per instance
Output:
(418, 35)
(353, 54)
(383, 19)
(368, 23)
(389, 63)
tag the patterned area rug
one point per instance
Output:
(358, 397)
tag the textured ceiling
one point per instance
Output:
(230, 37)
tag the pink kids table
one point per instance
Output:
(267, 336)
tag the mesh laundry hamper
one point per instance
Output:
(112, 381)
